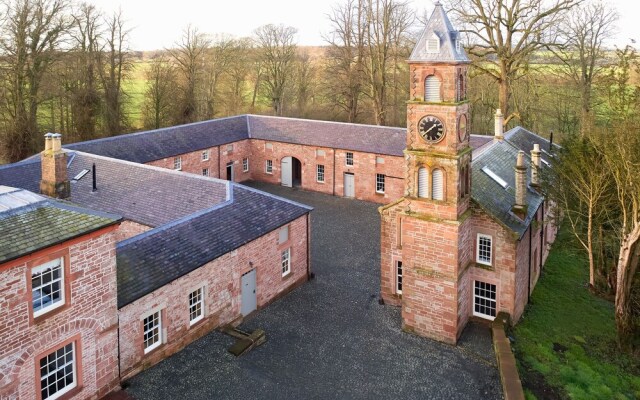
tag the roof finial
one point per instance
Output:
(437, 3)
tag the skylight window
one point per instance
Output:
(80, 175)
(545, 162)
(495, 177)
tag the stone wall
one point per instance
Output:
(88, 318)
(221, 280)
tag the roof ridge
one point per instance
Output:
(325, 121)
(175, 223)
(152, 131)
(273, 196)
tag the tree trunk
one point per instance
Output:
(627, 267)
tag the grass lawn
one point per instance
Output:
(565, 342)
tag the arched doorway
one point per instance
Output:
(291, 172)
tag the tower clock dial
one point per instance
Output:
(431, 129)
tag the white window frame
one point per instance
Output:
(245, 165)
(205, 155)
(59, 262)
(205, 171)
(57, 358)
(177, 163)
(145, 331)
(398, 273)
(268, 166)
(286, 261)
(320, 173)
(479, 259)
(380, 183)
(283, 234)
(196, 302)
(348, 159)
(487, 300)
(433, 44)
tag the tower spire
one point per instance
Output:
(439, 40)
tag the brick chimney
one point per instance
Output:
(499, 129)
(535, 166)
(54, 182)
(520, 208)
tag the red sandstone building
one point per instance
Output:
(470, 234)
(154, 231)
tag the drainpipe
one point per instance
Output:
(542, 236)
(219, 176)
(529, 283)
(334, 172)
(308, 246)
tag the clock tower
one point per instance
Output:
(426, 243)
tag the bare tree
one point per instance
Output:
(278, 50)
(29, 39)
(584, 32)
(83, 71)
(116, 63)
(386, 22)
(239, 67)
(160, 94)
(305, 79)
(189, 56)
(346, 56)
(504, 34)
(218, 57)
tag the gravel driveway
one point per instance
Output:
(330, 339)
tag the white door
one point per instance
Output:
(349, 185)
(286, 172)
(248, 296)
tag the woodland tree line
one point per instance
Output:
(65, 67)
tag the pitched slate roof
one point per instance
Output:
(339, 135)
(144, 194)
(439, 27)
(500, 158)
(29, 222)
(159, 256)
(143, 147)
(524, 140)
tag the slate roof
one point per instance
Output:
(500, 157)
(439, 27)
(29, 222)
(159, 256)
(143, 147)
(524, 140)
(148, 195)
(367, 138)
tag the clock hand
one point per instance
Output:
(428, 130)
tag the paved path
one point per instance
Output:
(330, 339)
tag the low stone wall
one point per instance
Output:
(511, 384)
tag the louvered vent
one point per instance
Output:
(422, 182)
(437, 190)
(432, 89)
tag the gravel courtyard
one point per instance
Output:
(330, 339)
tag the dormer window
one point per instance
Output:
(433, 44)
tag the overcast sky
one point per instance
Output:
(157, 25)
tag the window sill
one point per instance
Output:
(488, 267)
(51, 313)
(323, 182)
(287, 275)
(194, 323)
(152, 349)
(380, 193)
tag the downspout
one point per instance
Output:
(119, 360)
(219, 176)
(334, 172)
(529, 282)
(309, 277)
(542, 236)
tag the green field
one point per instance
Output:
(565, 342)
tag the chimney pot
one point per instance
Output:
(47, 141)
(499, 125)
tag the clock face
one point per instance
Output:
(462, 127)
(431, 129)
